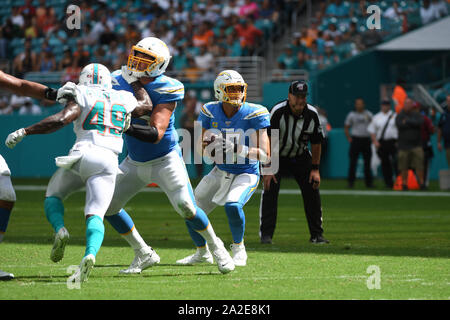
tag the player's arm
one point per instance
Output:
(159, 121)
(145, 104)
(48, 125)
(26, 88)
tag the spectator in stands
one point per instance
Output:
(230, 8)
(46, 21)
(5, 107)
(100, 27)
(192, 72)
(181, 15)
(233, 45)
(71, 72)
(393, 12)
(301, 60)
(287, 60)
(25, 61)
(330, 57)
(81, 55)
(332, 31)
(269, 12)
(205, 59)
(410, 152)
(11, 30)
(342, 9)
(440, 8)
(16, 102)
(427, 130)
(29, 108)
(249, 9)
(331, 9)
(203, 34)
(399, 95)
(351, 33)
(384, 135)
(305, 39)
(356, 130)
(296, 43)
(428, 13)
(17, 18)
(47, 62)
(313, 30)
(249, 35)
(31, 29)
(28, 10)
(444, 131)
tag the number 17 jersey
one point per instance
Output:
(102, 117)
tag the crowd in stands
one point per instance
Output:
(338, 30)
(34, 34)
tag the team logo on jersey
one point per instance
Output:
(214, 124)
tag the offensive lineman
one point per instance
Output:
(100, 116)
(154, 156)
(242, 142)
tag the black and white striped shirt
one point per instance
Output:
(295, 132)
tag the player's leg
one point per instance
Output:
(131, 179)
(171, 175)
(241, 190)
(204, 193)
(62, 183)
(7, 200)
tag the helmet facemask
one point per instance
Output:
(140, 65)
(234, 93)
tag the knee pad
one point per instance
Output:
(6, 189)
(186, 208)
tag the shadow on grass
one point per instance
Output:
(436, 248)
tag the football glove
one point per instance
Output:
(15, 137)
(128, 75)
(65, 92)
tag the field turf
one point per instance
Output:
(407, 237)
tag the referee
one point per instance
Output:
(298, 124)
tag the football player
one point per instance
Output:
(240, 143)
(100, 115)
(154, 156)
(7, 200)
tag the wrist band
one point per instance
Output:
(50, 93)
(314, 167)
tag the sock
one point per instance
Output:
(4, 219)
(236, 220)
(124, 225)
(95, 232)
(54, 210)
(199, 241)
(200, 224)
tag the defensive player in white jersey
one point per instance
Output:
(240, 143)
(99, 115)
(155, 156)
(7, 200)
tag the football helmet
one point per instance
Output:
(230, 87)
(156, 60)
(95, 74)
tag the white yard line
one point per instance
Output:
(296, 192)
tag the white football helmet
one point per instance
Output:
(95, 74)
(222, 84)
(156, 60)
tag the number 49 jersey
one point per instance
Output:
(103, 114)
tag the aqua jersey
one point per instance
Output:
(161, 90)
(250, 116)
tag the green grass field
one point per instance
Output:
(407, 237)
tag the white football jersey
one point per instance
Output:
(103, 114)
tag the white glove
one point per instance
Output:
(127, 122)
(226, 144)
(15, 137)
(128, 76)
(66, 91)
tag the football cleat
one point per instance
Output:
(318, 240)
(86, 266)
(224, 261)
(61, 239)
(200, 256)
(5, 276)
(239, 254)
(143, 259)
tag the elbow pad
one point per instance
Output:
(143, 133)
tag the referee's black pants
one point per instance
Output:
(360, 146)
(387, 152)
(300, 169)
